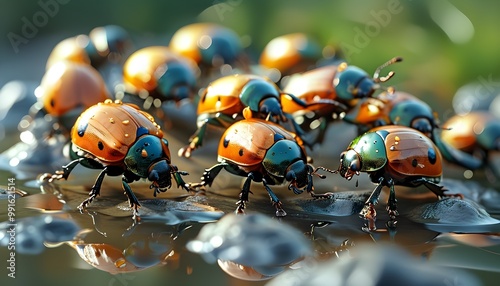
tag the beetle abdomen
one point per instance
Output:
(247, 141)
(411, 153)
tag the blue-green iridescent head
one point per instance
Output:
(223, 47)
(176, 81)
(263, 97)
(366, 153)
(351, 82)
(147, 159)
(489, 138)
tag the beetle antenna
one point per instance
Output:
(376, 75)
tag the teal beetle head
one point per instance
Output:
(147, 159)
(222, 47)
(285, 161)
(366, 153)
(298, 174)
(176, 81)
(263, 97)
(351, 82)
(108, 42)
(350, 164)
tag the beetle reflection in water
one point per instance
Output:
(252, 246)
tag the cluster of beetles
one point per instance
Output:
(271, 110)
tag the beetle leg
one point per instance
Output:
(437, 189)
(195, 141)
(276, 202)
(95, 190)
(208, 177)
(66, 170)
(244, 195)
(132, 199)
(310, 187)
(178, 178)
(368, 212)
(392, 205)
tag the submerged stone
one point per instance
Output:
(455, 215)
(252, 240)
(368, 264)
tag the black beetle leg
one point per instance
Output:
(95, 191)
(208, 177)
(310, 187)
(66, 170)
(392, 205)
(133, 201)
(368, 212)
(244, 194)
(276, 202)
(438, 190)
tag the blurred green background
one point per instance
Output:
(445, 44)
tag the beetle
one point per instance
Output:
(476, 134)
(210, 45)
(341, 83)
(106, 43)
(121, 139)
(392, 155)
(66, 90)
(223, 101)
(159, 73)
(265, 152)
(290, 53)
(393, 108)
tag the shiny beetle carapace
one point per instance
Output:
(392, 155)
(393, 108)
(342, 83)
(263, 152)
(291, 53)
(158, 73)
(121, 140)
(476, 135)
(66, 90)
(210, 45)
(106, 43)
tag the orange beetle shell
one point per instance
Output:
(246, 142)
(140, 67)
(107, 130)
(410, 152)
(463, 130)
(68, 85)
(310, 87)
(284, 53)
(369, 110)
(187, 40)
(223, 94)
(71, 49)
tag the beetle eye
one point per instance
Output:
(153, 176)
(342, 155)
(290, 176)
(355, 165)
